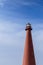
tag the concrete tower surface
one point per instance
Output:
(28, 58)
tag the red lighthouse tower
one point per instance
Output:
(28, 58)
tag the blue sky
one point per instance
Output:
(14, 14)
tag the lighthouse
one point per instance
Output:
(28, 56)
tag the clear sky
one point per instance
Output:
(14, 14)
